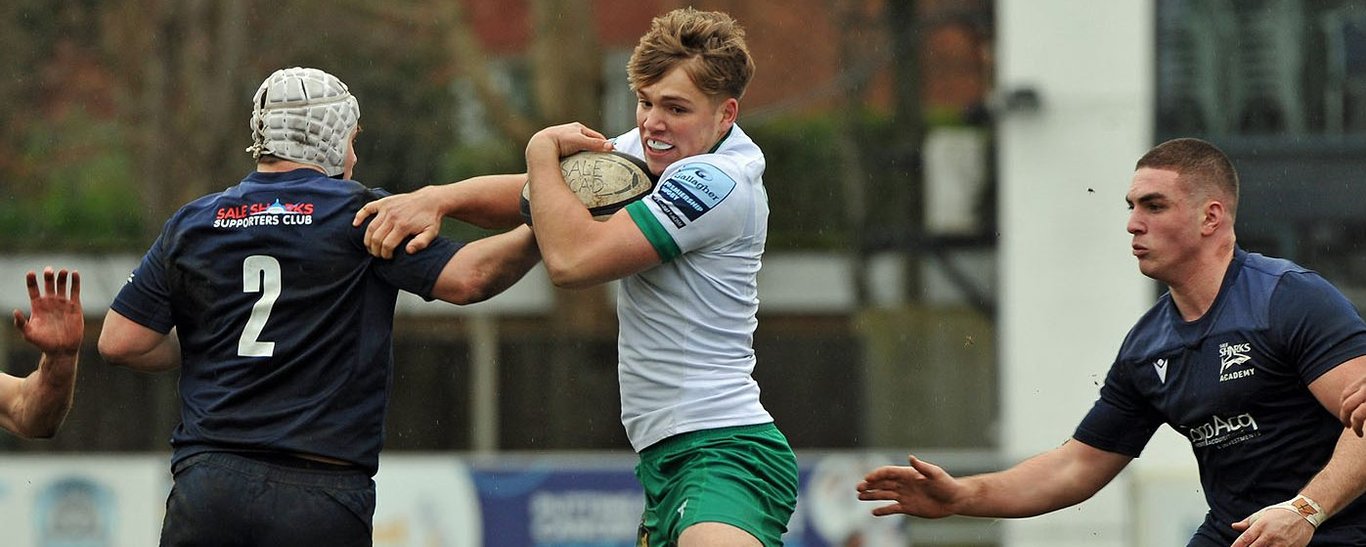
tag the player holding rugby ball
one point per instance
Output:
(715, 469)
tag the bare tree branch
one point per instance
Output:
(567, 62)
(470, 59)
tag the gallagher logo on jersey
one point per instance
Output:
(694, 189)
(263, 214)
(1233, 356)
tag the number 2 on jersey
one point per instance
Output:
(260, 273)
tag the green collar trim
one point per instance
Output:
(723, 138)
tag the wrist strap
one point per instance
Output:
(1304, 507)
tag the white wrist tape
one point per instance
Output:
(1304, 507)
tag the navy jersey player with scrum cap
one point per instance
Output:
(1247, 356)
(280, 322)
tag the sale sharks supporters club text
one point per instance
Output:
(264, 214)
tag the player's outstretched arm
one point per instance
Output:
(36, 405)
(488, 266)
(126, 343)
(1059, 478)
(489, 201)
(921, 489)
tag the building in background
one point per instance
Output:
(970, 311)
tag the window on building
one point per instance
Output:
(1261, 67)
(1280, 85)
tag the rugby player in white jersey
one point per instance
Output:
(715, 468)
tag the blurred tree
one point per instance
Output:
(393, 55)
(908, 136)
(805, 161)
(565, 81)
(566, 63)
(64, 170)
(567, 86)
(190, 68)
(854, 180)
(27, 35)
(80, 180)
(567, 77)
(179, 64)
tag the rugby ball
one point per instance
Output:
(604, 182)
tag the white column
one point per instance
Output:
(1070, 289)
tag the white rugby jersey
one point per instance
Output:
(686, 342)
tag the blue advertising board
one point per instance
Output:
(530, 502)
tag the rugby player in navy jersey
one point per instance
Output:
(1246, 356)
(280, 322)
(34, 406)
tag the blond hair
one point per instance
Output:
(709, 45)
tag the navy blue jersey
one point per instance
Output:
(284, 319)
(1234, 383)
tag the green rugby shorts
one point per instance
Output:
(744, 476)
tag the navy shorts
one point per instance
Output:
(224, 498)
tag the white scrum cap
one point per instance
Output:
(304, 115)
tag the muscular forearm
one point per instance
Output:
(562, 222)
(489, 201)
(1343, 479)
(45, 396)
(509, 264)
(1059, 478)
(1023, 491)
(487, 267)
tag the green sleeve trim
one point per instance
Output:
(654, 231)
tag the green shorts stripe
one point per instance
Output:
(743, 476)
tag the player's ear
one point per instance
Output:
(730, 111)
(1215, 215)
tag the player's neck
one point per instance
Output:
(1195, 293)
(284, 166)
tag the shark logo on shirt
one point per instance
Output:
(1234, 355)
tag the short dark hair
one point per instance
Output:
(1205, 168)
